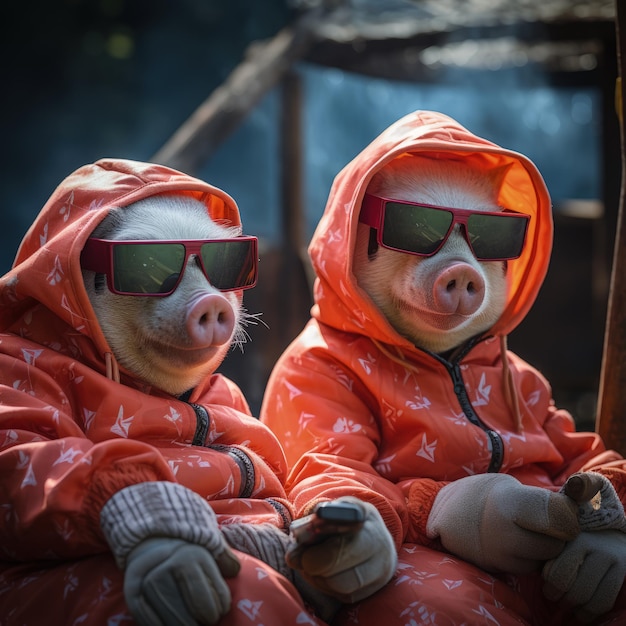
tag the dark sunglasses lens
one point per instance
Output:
(230, 264)
(496, 236)
(147, 268)
(417, 229)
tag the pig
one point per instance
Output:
(171, 343)
(138, 487)
(401, 391)
(436, 302)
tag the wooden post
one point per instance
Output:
(263, 68)
(611, 415)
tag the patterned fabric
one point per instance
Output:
(361, 411)
(75, 428)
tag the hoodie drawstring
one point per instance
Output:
(508, 384)
(112, 370)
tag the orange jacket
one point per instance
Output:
(362, 411)
(75, 428)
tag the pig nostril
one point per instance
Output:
(451, 285)
(220, 318)
(471, 288)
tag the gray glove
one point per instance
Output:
(349, 566)
(270, 545)
(499, 524)
(175, 557)
(171, 582)
(590, 571)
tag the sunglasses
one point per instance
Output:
(154, 268)
(422, 229)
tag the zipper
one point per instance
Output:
(243, 461)
(497, 447)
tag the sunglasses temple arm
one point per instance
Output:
(94, 256)
(371, 209)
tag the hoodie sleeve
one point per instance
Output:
(55, 481)
(330, 436)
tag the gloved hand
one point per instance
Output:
(270, 545)
(171, 582)
(168, 540)
(588, 573)
(349, 566)
(501, 525)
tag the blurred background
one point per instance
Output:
(295, 90)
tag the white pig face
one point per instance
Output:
(436, 302)
(170, 342)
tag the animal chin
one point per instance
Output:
(175, 358)
(437, 322)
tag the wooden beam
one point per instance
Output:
(611, 415)
(263, 67)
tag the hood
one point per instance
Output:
(339, 301)
(42, 297)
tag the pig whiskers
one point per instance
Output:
(241, 335)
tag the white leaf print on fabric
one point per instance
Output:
(67, 456)
(533, 398)
(451, 584)
(345, 425)
(30, 356)
(342, 378)
(366, 363)
(260, 488)
(122, 425)
(88, 417)
(10, 437)
(458, 419)
(173, 415)
(481, 610)
(71, 583)
(383, 466)
(249, 608)
(334, 236)
(174, 465)
(75, 318)
(66, 208)
(304, 420)
(195, 460)
(29, 479)
(64, 529)
(293, 390)
(24, 460)
(483, 392)
(420, 401)
(427, 450)
(419, 615)
(56, 273)
(304, 618)
(390, 414)
(43, 237)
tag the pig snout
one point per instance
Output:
(210, 320)
(458, 289)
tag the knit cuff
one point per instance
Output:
(157, 509)
(420, 499)
(262, 541)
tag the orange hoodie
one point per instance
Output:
(74, 427)
(362, 411)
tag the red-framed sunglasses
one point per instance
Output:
(422, 229)
(155, 267)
